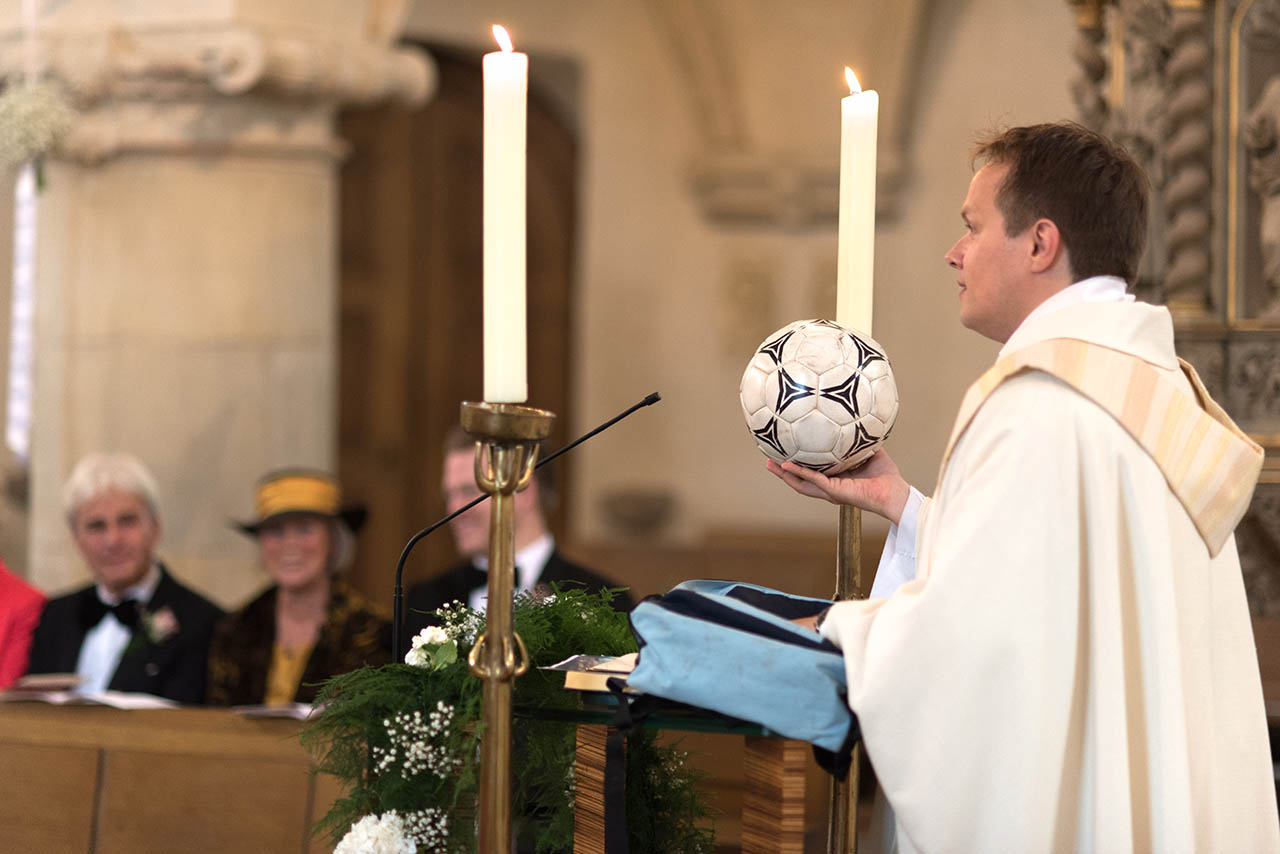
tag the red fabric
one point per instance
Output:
(20, 607)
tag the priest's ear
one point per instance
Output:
(1047, 248)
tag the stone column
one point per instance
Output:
(186, 306)
(1087, 87)
(1187, 155)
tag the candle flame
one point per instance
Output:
(852, 80)
(504, 40)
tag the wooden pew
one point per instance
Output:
(101, 780)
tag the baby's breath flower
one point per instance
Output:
(410, 750)
(32, 120)
(429, 828)
(460, 623)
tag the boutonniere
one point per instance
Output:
(159, 625)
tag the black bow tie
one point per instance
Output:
(95, 610)
(477, 577)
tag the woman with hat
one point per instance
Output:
(309, 625)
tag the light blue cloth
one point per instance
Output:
(701, 646)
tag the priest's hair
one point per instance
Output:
(1087, 185)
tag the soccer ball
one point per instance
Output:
(820, 395)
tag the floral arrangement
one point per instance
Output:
(32, 120)
(405, 740)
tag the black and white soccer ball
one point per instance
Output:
(820, 395)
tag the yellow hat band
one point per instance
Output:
(298, 494)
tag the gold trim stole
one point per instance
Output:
(1209, 463)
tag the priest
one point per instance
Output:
(1057, 654)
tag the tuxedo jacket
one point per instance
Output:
(174, 667)
(457, 583)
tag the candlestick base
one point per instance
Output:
(506, 423)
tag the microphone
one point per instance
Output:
(397, 615)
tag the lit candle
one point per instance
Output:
(857, 229)
(506, 85)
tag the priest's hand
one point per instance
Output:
(875, 486)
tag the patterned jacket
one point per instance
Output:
(355, 634)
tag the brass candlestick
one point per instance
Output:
(507, 438)
(842, 833)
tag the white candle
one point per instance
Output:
(506, 86)
(857, 229)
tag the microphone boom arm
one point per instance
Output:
(397, 607)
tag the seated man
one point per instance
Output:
(537, 561)
(134, 628)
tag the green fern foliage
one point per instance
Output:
(407, 738)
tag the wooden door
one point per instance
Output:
(411, 312)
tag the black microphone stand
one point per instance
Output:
(397, 607)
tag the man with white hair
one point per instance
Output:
(135, 628)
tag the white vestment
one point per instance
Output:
(1070, 669)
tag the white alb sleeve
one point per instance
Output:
(898, 560)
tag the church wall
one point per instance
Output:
(669, 301)
(193, 353)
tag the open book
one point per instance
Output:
(592, 672)
(115, 699)
(296, 711)
(48, 682)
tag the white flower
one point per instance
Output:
(431, 635)
(373, 834)
(432, 647)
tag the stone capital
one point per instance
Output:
(234, 59)
(790, 191)
(223, 85)
(734, 179)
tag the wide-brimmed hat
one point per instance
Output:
(305, 491)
